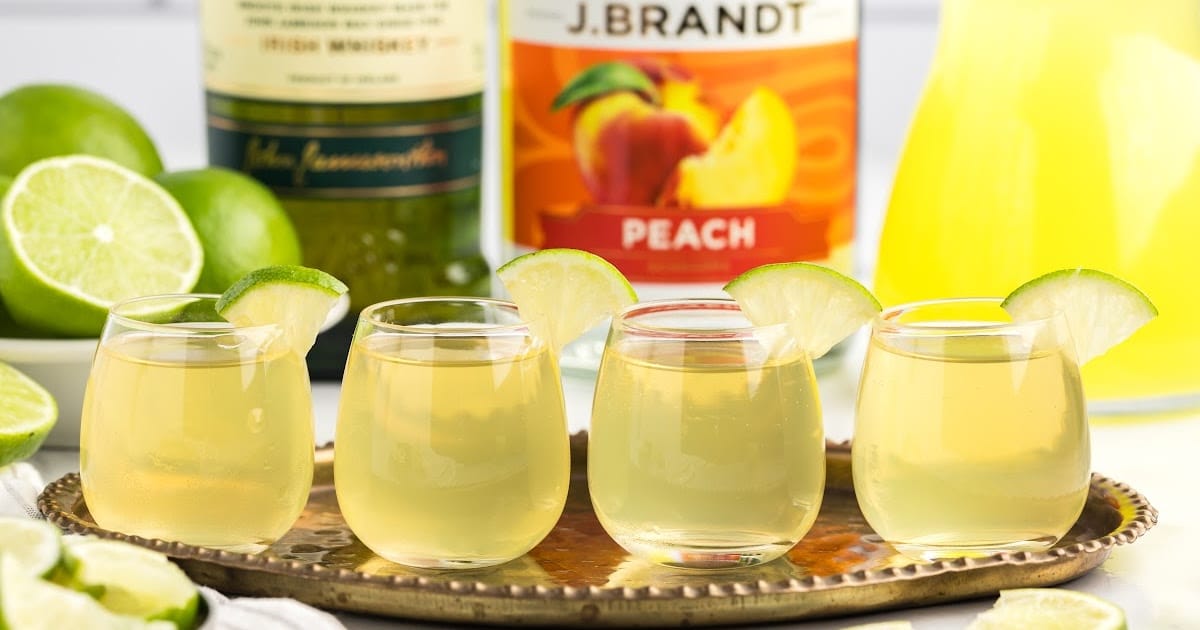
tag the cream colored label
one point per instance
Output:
(344, 51)
(684, 25)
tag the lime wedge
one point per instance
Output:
(28, 603)
(296, 298)
(883, 625)
(1101, 310)
(132, 581)
(80, 233)
(1050, 609)
(565, 292)
(819, 305)
(27, 413)
(35, 547)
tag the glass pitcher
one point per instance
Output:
(1057, 134)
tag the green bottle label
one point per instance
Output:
(352, 161)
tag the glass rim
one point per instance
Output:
(131, 321)
(886, 320)
(424, 330)
(625, 320)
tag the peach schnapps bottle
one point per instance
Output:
(685, 141)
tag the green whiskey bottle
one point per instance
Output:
(366, 119)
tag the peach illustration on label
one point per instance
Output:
(634, 123)
(752, 163)
(684, 164)
(643, 136)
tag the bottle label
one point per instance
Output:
(346, 54)
(685, 141)
(339, 51)
(372, 161)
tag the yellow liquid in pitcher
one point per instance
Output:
(697, 459)
(184, 441)
(449, 457)
(1056, 135)
(971, 451)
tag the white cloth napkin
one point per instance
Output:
(20, 485)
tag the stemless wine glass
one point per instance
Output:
(971, 435)
(195, 430)
(706, 447)
(451, 448)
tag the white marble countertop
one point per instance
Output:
(1156, 580)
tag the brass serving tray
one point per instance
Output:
(580, 577)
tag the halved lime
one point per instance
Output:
(28, 603)
(34, 546)
(565, 292)
(1050, 609)
(820, 306)
(296, 298)
(133, 581)
(27, 413)
(1101, 310)
(79, 233)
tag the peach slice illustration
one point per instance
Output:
(752, 163)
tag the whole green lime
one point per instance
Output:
(241, 224)
(41, 121)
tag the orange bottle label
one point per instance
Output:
(686, 142)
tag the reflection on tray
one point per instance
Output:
(578, 575)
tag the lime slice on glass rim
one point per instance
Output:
(820, 306)
(298, 299)
(1101, 310)
(129, 580)
(1050, 609)
(29, 603)
(565, 292)
(33, 547)
(27, 413)
(79, 233)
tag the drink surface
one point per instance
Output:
(705, 454)
(195, 441)
(451, 452)
(962, 445)
(1069, 143)
(735, 145)
(366, 120)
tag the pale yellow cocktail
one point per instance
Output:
(706, 447)
(451, 446)
(971, 434)
(199, 433)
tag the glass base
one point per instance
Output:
(931, 552)
(247, 548)
(422, 562)
(703, 550)
(1161, 405)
